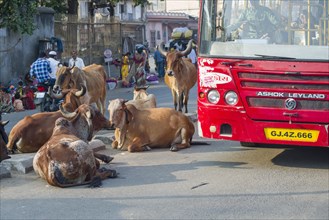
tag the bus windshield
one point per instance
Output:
(265, 29)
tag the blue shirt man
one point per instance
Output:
(40, 69)
(159, 62)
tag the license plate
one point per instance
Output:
(40, 95)
(284, 134)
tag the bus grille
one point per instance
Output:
(306, 83)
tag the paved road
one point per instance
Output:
(217, 181)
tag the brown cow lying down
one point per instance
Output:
(3, 140)
(150, 128)
(40, 126)
(66, 159)
(141, 100)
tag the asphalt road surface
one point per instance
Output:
(221, 180)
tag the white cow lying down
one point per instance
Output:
(150, 128)
(142, 99)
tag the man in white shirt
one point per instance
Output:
(76, 61)
(192, 56)
(53, 63)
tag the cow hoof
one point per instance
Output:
(107, 159)
(146, 148)
(109, 173)
(95, 182)
(113, 174)
(174, 149)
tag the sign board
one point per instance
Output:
(106, 59)
(108, 53)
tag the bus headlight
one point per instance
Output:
(213, 96)
(231, 98)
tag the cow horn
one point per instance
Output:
(88, 114)
(71, 68)
(188, 49)
(66, 114)
(162, 51)
(3, 123)
(53, 95)
(81, 92)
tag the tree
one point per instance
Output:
(18, 15)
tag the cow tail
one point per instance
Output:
(11, 146)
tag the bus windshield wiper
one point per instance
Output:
(274, 57)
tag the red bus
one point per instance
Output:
(263, 73)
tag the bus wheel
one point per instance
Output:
(248, 144)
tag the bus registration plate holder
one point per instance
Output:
(284, 134)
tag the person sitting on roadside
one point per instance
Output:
(18, 103)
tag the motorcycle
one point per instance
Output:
(43, 99)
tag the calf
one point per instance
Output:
(150, 128)
(66, 159)
(3, 140)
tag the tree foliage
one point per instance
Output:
(18, 15)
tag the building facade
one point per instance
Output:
(160, 26)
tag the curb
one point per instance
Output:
(23, 162)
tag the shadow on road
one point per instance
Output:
(303, 157)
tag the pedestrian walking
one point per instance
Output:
(159, 60)
(76, 61)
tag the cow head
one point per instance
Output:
(72, 97)
(87, 120)
(174, 58)
(67, 78)
(140, 92)
(3, 140)
(118, 113)
(61, 94)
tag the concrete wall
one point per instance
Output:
(18, 52)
